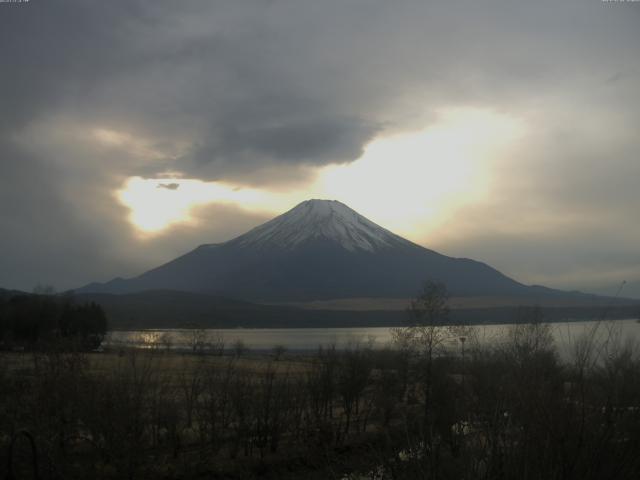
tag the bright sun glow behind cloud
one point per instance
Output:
(407, 182)
(154, 208)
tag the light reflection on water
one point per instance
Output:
(307, 339)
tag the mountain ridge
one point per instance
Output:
(320, 249)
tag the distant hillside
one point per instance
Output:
(172, 309)
(466, 303)
(4, 294)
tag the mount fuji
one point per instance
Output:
(320, 249)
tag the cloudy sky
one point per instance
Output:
(133, 131)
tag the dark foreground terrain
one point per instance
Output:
(511, 411)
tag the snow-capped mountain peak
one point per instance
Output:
(320, 219)
(318, 250)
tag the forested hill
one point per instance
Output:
(33, 321)
(173, 309)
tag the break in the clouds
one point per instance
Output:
(266, 94)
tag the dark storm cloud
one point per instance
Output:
(258, 92)
(306, 141)
(54, 52)
(174, 74)
(169, 186)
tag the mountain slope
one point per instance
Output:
(320, 249)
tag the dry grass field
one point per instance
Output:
(514, 410)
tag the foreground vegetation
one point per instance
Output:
(510, 410)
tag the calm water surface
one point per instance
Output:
(307, 339)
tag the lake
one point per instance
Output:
(308, 339)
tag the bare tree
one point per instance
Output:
(239, 347)
(278, 352)
(197, 339)
(166, 341)
(425, 335)
(216, 344)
